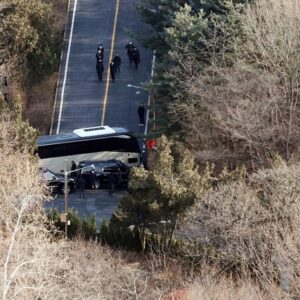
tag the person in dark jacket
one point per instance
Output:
(112, 69)
(100, 50)
(93, 178)
(73, 169)
(117, 62)
(81, 185)
(100, 69)
(141, 113)
(136, 57)
(111, 183)
(99, 55)
(129, 47)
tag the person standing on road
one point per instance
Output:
(141, 113)
(73, 169)
(81, 185)
(136, 57)
(111, 183)
(112, 69)
(129, 47)
(99, 55)
(93, 178)
(100, 51)
(100, 69)
(117, 62)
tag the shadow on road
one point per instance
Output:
(99, 203)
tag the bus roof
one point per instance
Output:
(82, 134)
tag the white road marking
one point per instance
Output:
(59, 70)
(66, 68)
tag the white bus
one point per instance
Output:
(94, 143)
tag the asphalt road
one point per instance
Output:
(83, 101)
(98, 203)
(81, 97)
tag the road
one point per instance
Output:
(98, 203)
(83, 101)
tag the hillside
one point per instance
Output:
(216, 215)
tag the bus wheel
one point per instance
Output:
(97, 184)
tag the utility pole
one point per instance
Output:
(66, 198)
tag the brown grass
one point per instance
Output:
(39, 105)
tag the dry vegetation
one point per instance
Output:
(243, 236)
(39, 104)
(252, 227)
(40, 98)
(246, 107)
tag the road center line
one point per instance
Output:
(66, 69)
(110, 58)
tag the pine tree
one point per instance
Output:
(157, 199)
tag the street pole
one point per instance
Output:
(66, 198)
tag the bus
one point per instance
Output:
(93, 144)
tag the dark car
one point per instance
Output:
(56, 182)
(107, 172)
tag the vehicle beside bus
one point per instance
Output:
(56, 182)
(106, 173)
(88, 144)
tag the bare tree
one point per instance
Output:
(252, 227)
(248, 106)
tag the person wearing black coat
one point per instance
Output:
(141, 113)
(100, 49)
(73, 169)
(136, 57)
(129, 47)
(117, 62)
(81, 183)
(93, 179)
(112, 69)
(111, 183)
(99, 69)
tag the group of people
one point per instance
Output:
(114, 65)
(82, 181)
(133, 54)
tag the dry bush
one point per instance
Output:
(212, 283)
(27, 269)
(252, 227)
(223, 289)
(39, 106)
(98, 273)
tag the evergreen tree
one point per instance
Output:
(157, 199)
(29, 43)
(196, 34)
